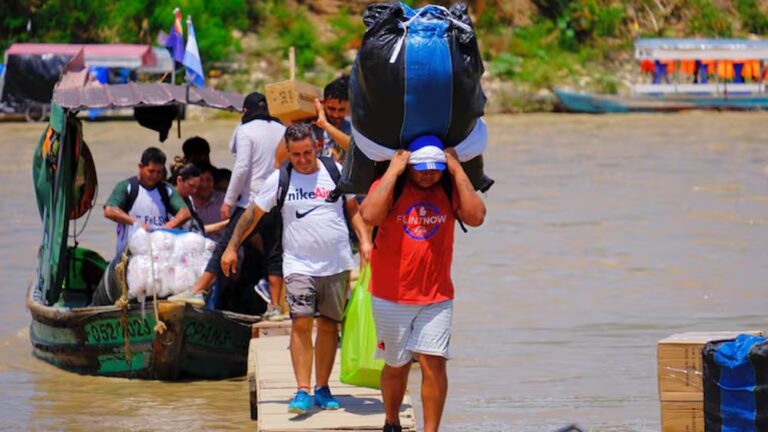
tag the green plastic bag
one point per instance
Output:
(358, 338)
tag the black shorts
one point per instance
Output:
(271, 230)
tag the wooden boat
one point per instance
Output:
(686, 74)
(121, 340)
(196, 344)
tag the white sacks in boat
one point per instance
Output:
(176, 260)
(417, 73)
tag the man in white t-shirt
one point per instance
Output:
(317, 257)
(145, 199)
(253, 145)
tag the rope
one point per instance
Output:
(122, 303)
(159, 326)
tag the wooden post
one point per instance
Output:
(292, 62)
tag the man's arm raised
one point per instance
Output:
(245, 225)
(471, 208)
(375, 207)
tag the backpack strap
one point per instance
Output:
(133, 193)
(196, 221)
(165, 197)
(333, 170)
(283, 182)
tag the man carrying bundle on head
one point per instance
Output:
(415, 206)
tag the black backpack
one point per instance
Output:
(133, 193)
(284, 180)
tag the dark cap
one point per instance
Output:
(255, 102)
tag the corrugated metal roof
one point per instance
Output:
(78, 91)
(94, 95)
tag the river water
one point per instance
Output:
(604, 234)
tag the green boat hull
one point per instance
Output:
(196, 344)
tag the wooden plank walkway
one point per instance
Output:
(272, 385)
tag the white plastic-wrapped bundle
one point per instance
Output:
(138, 276)
(178, 258)
(138, 242)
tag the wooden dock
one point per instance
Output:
(272, 384)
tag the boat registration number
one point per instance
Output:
(110, 331)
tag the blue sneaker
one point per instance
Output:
(324, 399)
(262, 289)
(301, 403)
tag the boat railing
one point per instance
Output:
(713, 88)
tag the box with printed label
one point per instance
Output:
(292, 100)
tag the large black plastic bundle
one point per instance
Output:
(417, 73)
(736, 385)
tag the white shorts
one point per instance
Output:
(404, 331)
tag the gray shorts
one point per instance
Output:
(405, 331)
(321, 295)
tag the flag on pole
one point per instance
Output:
(192, 57)
(175, 40)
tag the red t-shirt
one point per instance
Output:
(411, 260)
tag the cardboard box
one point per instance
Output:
(680, 365)
(682, 416)
(292, 100)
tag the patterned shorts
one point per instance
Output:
(317, 295)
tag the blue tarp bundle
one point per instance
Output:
(736, 385)
(417, 73)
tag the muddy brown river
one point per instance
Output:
(604, 234)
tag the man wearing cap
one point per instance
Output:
(415, 205)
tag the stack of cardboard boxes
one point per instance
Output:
(680, 379)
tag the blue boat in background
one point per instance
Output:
(686, 74)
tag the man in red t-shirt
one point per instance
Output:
(411, 269)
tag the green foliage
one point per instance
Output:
(752, 18)
(347, 30)
(125, 21)
(505, 65)
(708, 20)
(293, 29)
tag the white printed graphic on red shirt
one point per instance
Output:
(422, 220)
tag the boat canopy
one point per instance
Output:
(701, 49)
(77, 90)
(105, 55)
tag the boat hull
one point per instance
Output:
(196, 343)
(581, 102)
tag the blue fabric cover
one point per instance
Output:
(428, 77)
(737, 384)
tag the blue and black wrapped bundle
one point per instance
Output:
(417, 73)
(736, 385)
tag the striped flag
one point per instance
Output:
(192, 57)
(175, 41)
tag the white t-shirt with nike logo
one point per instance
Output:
(315, 233)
